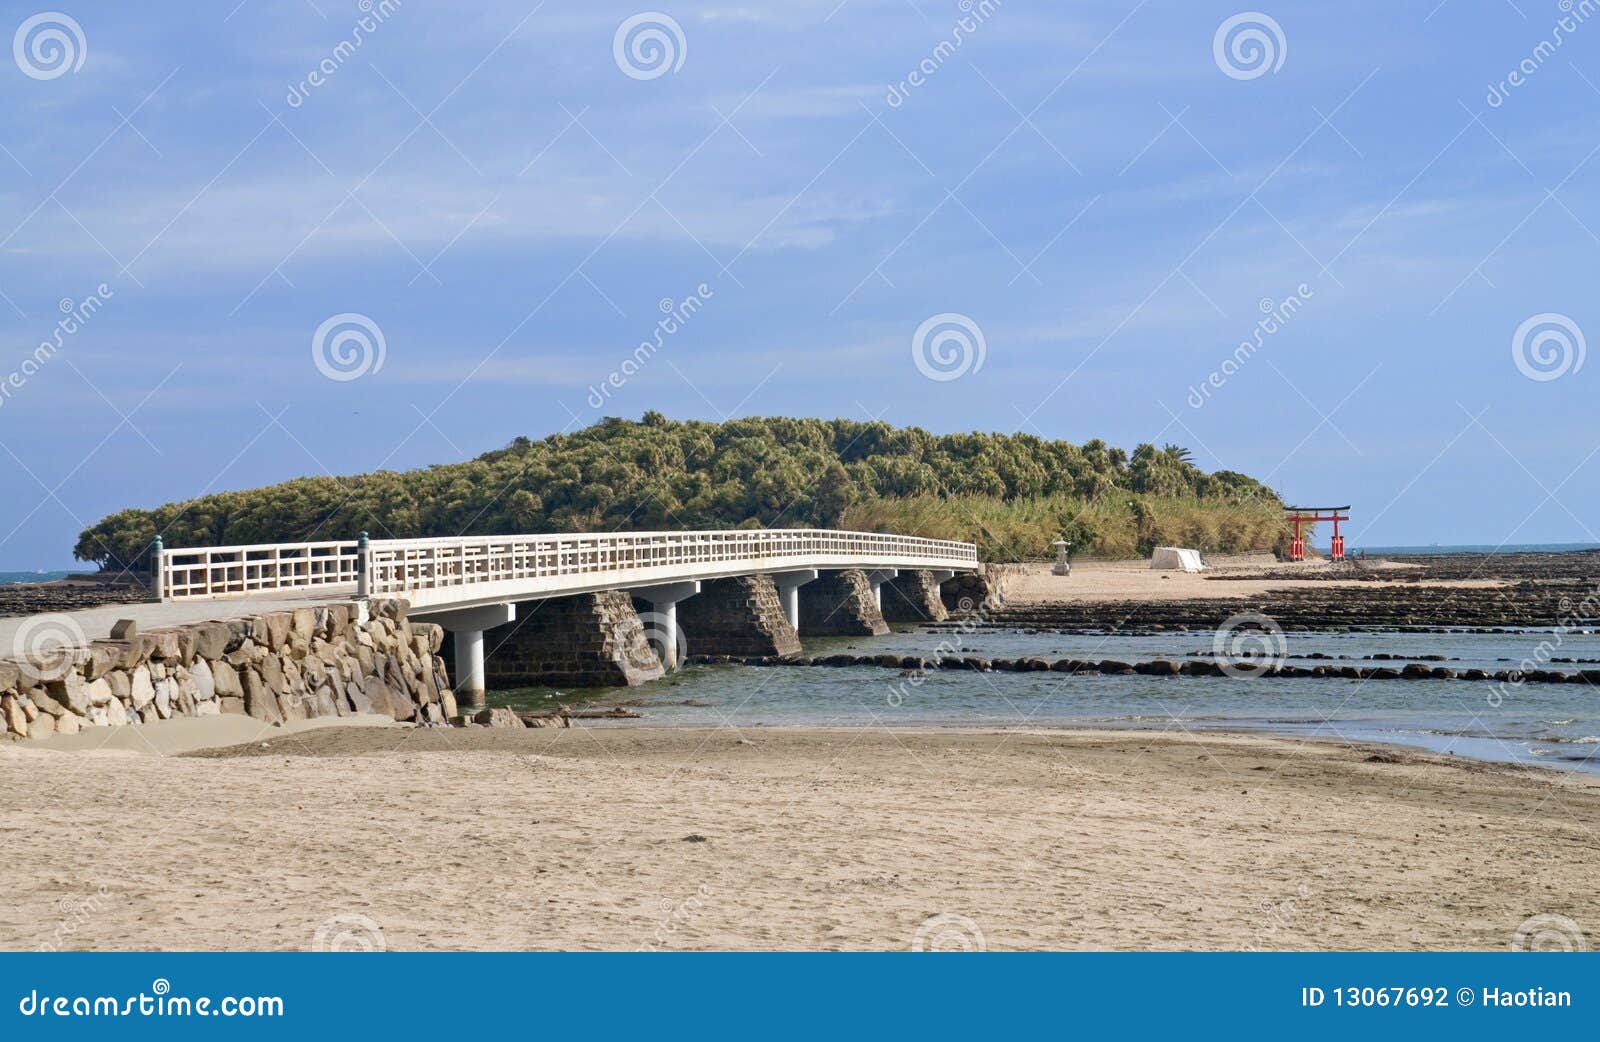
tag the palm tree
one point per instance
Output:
(1178, 452)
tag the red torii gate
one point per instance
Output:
(1306, 515)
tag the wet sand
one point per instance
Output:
(635, 837)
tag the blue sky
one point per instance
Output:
(1109, 201)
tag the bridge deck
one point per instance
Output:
(439, 574)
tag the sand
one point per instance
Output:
(1095, 581)
(631, 837)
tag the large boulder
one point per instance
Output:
(100, 692)
(70, 691)
(205, 684)
(258, 700)
(142, 689)
(499, 716)
(211, 639)
(278, 624)
(225, 679)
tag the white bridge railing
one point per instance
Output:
(533, 564)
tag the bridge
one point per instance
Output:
(471, 584)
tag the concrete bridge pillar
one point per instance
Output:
(661, 621)
(466, 627)
(876, 579)
(788, 584)
(842, 603)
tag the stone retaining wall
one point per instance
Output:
(984, 589)
(913, 597)
(738, 616)
(841, 604)
(285, 665)
(591, 640)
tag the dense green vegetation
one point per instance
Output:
(1011, 494)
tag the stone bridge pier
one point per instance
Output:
(742, 616)
(845, 603)
(914, 596)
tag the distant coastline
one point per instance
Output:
(6, 578)
(1481, 548)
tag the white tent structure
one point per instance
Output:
(1176, 558)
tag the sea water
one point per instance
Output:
(1551, 724)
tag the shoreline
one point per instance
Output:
(236, 736)
(688, 838)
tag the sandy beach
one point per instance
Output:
(616, 838)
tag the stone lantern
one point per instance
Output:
(1063, 565)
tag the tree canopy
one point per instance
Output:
(664, 474)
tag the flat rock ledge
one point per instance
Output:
(1243, 669)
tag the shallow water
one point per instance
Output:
(1551, 724)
